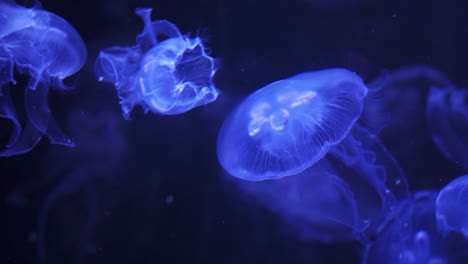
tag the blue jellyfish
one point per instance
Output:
(447, 120)
(451, 207)
(287, 126)
(45, 48)
(291, 126)
(414, 238)
(168, 75)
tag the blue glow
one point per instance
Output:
(352, 194)
(287, 126)
(451, 207)
(376, 178)
(169, 76)
(447, 119)
(294, 126)
(47, 49)
(73, 185)
(315, 204)
(413, 237)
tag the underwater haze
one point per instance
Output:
(223, 131)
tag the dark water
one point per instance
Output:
(150, 190)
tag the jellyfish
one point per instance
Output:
(165, 72)
(76, 178)
(451, 209)
(47, 49)
(414, 238)
(288, 127)
(447, 120)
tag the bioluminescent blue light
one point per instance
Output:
(413, 237)
(447, 120)
(166, 76)
(290, 127)
(406, 87)
(286, 126)
(451, 207)
(350, 194)
(45, 48)
(314, 204)
(72, 184)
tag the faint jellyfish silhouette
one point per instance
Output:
(76, 177)
(414, 238)
(100, 150)
(404, 96)
(47, 49)
(400, 108)
(166, 76)
(314, 205)
(447, 120)
(451, 207)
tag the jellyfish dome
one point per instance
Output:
(286, 126)
(46, 49)
(169, 75)
(451, 207)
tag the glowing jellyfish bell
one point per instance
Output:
(47, 49)
(451, 207)
(287, 126)
(166, 76)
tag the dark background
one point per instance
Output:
(150, 190)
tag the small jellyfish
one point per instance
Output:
(451, 207)
(165, 72)
(46, 49)
(447, 120)
(287, 126)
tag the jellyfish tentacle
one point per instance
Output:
(7, 111)
(155, 28)
(28, 139)
(41, 117)
(46, 48)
